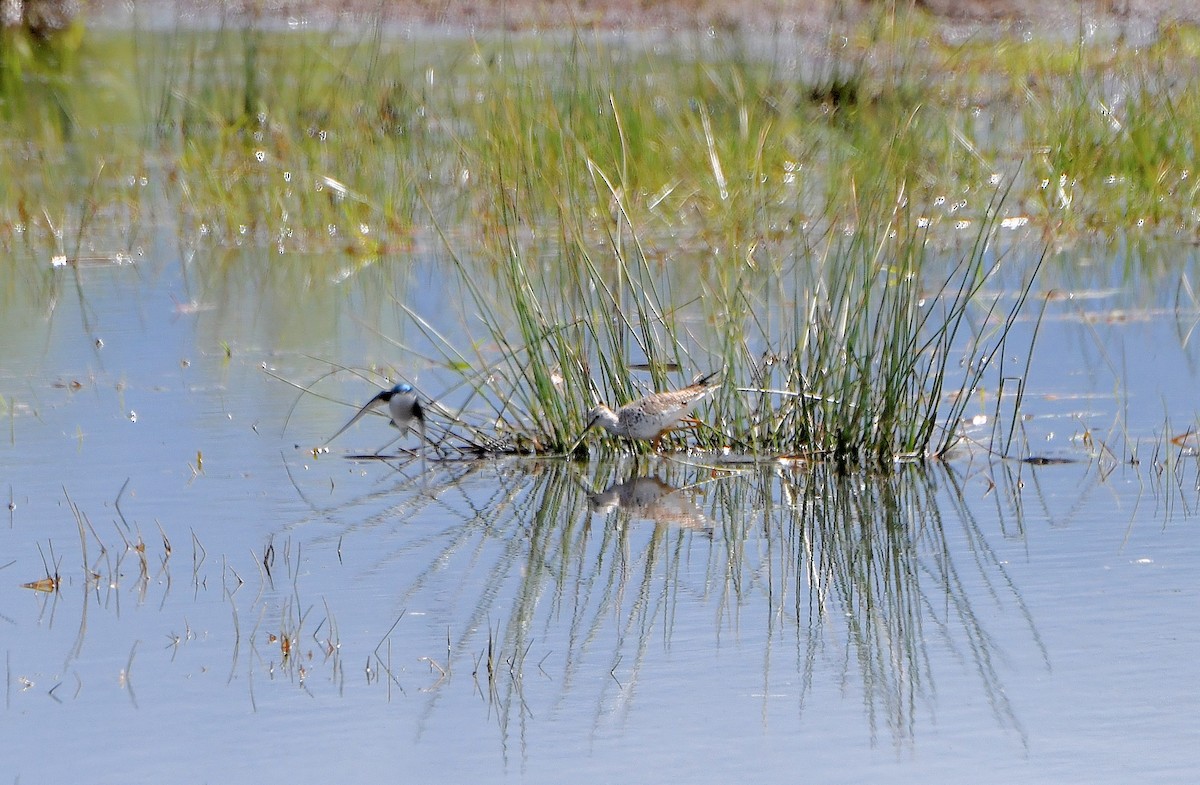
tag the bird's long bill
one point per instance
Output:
(575, 445)
(371, 404)
(582, 435)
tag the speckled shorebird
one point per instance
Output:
(649, 498)
(403, 406)
(653, 416)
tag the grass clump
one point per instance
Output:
(832, 338)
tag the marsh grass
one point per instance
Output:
(831, 341)
(618, 220)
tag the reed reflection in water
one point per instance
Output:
(554, 592)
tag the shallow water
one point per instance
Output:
(663, 619)
(189, 591)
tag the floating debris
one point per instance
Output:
(47, 585)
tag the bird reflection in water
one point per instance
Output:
(649, 498)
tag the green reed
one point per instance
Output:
(822, 332)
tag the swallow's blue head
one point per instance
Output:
(401, 389)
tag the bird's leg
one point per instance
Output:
(424, 467)
(687, 424)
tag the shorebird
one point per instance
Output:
(651, 499)
(403, 406)
(653, 416)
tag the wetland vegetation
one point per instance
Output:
(218, 240)
(847, 234)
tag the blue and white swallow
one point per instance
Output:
(403, 406)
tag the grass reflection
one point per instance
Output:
(577, 580)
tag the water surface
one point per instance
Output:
(667, 618)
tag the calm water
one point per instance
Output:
(976, 621)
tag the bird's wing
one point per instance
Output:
(371, 404)
(676, 402)
(416, 413)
